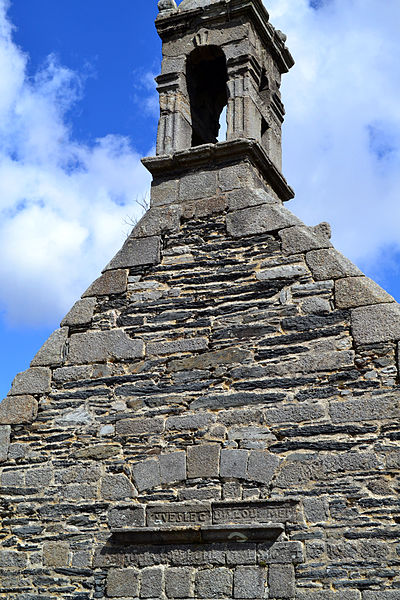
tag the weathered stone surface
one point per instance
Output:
(122, 583)
(299, 239)
(9, 558)
(129, 516)
(261, 466)
(98, 452)
(173, 467)
(316, 306)
(371, 408)
(136, 252)
(240, 175)
(330, 264)
(99, 346)
(111, 282)
(16, 410)
(56, 554)
(234, 463)
(176, 346)
(249, 583)
(259, 219)
(295, 413)
(164, 192)
(190, 421)
(381, 595)
(65, 374)
(211, 359)
(178, 582)
(139, 426)
(281, 581)
(157, 221)
(374, 324)
(146, 474)
(329, 595)
(5, 431)
(281, 552)
(214, 583)
(203, 461)
(35, 380)
(351, 292)
(81, 313)
(151, 584)
(283, 272)
(246, 197)
(53, 351)
(117, 487)
(198, 185)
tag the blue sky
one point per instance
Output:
(78, 109)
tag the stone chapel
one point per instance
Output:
(218, 416)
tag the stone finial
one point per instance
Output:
(164, 5)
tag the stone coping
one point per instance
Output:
(198, 534)
(215, 155)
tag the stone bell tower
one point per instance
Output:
(218, 417)
(216, 56)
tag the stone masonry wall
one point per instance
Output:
(223, 356)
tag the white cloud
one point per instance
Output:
(62, 204)
(342, 133)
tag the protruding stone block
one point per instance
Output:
(374, 324)
(81, 313)
(352, 292)
(15, 410)
(145, 426)
(283, 272)
(370, 408)
(173, 466)
(99, 346)
(151, 584)
(146, 474)
(234, 463)
(122, 583)
(330, 264)
(176, 346)
(299, 239)
(214, 583)
(178, 582)
(56, 554)
(158, 220)
(249, 583)
(111, 282)
(126, 516)
(137, 252)
(261, 466)
(53, 351)
(117, 487)
(281, 581)
(5, 432)
(35, 380)
(259, 219)
(203, 461)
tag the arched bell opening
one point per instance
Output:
(207, 77)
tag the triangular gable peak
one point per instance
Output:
(218, 415)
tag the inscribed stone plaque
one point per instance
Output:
(254, 512)
(178, 515)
